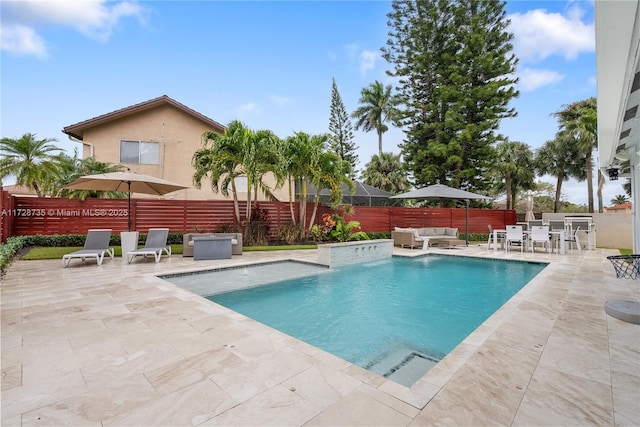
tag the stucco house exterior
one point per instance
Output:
(617, 25)
(157, 137)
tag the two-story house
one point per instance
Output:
(157, 137)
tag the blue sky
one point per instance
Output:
(267, 63)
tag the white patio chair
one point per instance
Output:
(574, 239)
(585, 229)
(533, 223)
(490, 240)
(95, 246)
(155, 245)
(514, 235)
(540, 234)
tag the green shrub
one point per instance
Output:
(379, 235)
(474, 237)
(289, 233)
(9, 250)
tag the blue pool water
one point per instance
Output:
(396, 317)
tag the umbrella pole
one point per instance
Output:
(129, 205)
(466, 231)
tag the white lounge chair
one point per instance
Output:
(155, 244)
(95, 246)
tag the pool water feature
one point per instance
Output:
(395, 317)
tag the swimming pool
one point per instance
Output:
(395, 317)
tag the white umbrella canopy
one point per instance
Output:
(126, 182)
(441, 191)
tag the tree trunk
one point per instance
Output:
(303, 204)
(600, 185)
(556, 205)
(293, 215)
(380, 142)
(236, 205)
(248, 215)
(507, 184)
(35, 187)
(589, 161)
(316, 202)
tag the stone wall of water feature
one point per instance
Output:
(335, 254)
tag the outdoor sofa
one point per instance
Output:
(431, 236)
(187, 242)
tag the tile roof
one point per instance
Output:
(622, 206)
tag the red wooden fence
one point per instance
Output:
(32, 215)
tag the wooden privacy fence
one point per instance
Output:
(32, 215)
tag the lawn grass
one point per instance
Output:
(38, 253)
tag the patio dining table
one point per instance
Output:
(557, 236)
(562, 247)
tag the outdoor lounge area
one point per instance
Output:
(114, 345)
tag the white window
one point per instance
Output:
(139, 152)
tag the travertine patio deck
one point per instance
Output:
(114, 345)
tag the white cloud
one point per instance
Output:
(21, 40)
(248, 108)
(367, 61)
(531, 79)
(93, 18)
(539, 34)
(281, 101)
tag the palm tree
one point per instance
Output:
(377, 106)
(385, 171)
(329, 172)
(302, 154)
(219, 160)
(559, 157)
(30, 160)
(515, 165)
(579, 120)
(308, 162)
(619, 199)
(261, 155)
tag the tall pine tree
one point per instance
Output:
(341, 131)
(456, 72)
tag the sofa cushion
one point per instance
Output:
(451, 231)
(427, 231)
(439, 231)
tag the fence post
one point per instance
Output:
(7, 215)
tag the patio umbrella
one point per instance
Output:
(439, 192)
(125, 181)
(529, 215)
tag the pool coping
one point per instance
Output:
(549, 356)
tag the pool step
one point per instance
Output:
(404, 366)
